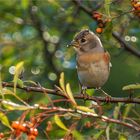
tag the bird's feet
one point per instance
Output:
(107, 96)
(83, 92)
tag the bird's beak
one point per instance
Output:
(73, 44)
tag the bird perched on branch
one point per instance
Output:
(93, 62)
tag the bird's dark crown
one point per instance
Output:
(81, 34)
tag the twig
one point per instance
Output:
(125, 45)
(115, 34)
(103, 118)
(79, 96)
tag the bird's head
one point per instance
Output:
(85, 41)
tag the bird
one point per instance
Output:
(93, 62)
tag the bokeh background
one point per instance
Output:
(38, 32)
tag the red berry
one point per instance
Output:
(99, 30)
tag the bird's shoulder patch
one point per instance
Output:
(106, 57)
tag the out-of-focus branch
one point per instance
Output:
(125, 45)
(59, 93)
(38, 25)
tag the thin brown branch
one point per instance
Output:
(103, 118)
(79, 96)
(115, 34)
(125, 45)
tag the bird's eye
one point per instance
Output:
(83, 40)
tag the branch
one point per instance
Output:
(115, 34)
(58, 93)
(38, 25)
(103, 118)
(125, 45)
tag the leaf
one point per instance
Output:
(107, 7)
(20, 82)
(77, 135)
(31, 82)
(98, 134)
(70, 94)
(122, 137)
(18, 71)
(85, 109)
(62, 82)
(117, 110)
(24, 4)
(60, 123)
(4, 120)
(127, 110)
(13, 106)
(1, 89)
(131, 87)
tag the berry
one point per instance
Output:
(99, 30)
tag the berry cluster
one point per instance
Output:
(24, 128)
(1, 135)
(101, 21)
(136, 7)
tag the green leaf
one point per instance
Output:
(107, 7)
(70, 94)
(85, 109)
(131, 87)
(20, 82)
(127, 110)
(60, 123)
(77, 135)
(18, 71)
(98, 134)
(25, 3)
(117, 110)
(4, 120)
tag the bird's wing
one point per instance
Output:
(107, 59)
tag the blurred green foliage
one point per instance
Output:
(37, 32)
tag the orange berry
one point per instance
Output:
(1, 135)
(15, 124)
(99, 20)
(33, 131)
(99, 30)
(17, 132)
(96, 15)
(101, 25)
(49, 126)
(88, 124)
(31, 137)
(23, 127)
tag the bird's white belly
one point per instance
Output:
(95, 75)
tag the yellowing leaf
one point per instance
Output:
(62, 82)
(25, 3)
(18, 71)
(85, 109)
(4, 120)
(60, 123)
(70, 94)
(131, 87)
(13, 106)
(107, 7)
(122, 137)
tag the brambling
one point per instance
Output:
(93, 62)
